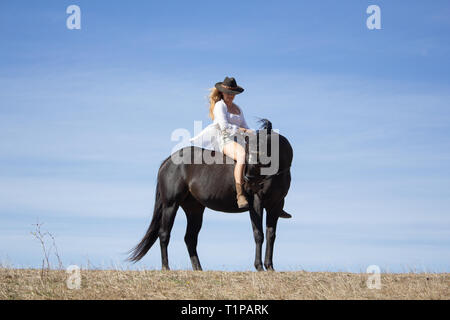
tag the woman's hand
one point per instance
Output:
(246, 130)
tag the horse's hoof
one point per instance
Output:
(270, 268)
(259, 268)
(197, 268)
(285, 215)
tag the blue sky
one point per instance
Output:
(86, 118)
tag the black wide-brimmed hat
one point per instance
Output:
(229, 86)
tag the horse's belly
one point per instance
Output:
(217, 196)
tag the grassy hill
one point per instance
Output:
(119, 284)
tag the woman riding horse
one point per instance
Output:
(229, 118)
(231, 121)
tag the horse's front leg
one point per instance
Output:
(256, 215)
(271, 228)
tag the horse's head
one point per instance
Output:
(270, 151)
(254, 150)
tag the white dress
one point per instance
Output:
(224, 126)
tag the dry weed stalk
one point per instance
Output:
(41, 236)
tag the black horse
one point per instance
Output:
(196, 186)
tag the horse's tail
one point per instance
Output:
(151, 235)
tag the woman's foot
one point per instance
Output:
(241, 200)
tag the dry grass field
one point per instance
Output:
(119, 284)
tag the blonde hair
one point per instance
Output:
(214, 96)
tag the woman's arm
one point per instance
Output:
(244, 126)
(243, 122)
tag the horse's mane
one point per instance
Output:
(265, 124)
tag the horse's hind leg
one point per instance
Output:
(167, 218)
(194, 214)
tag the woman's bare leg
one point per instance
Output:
(235, 151)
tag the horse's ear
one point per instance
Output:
(265, 124)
